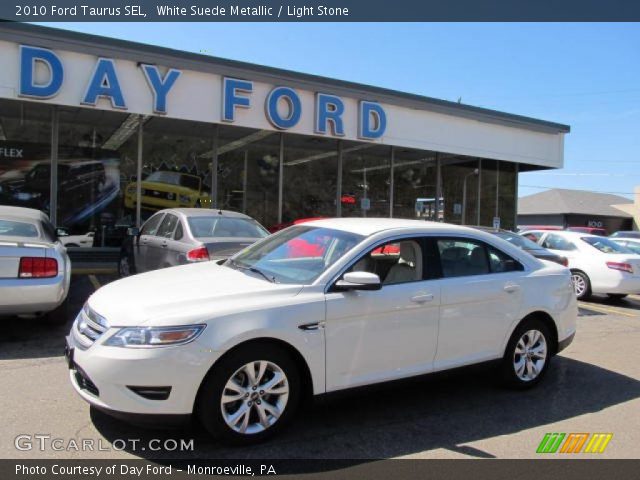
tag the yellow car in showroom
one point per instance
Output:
(164, 189)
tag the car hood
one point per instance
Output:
(184, 295)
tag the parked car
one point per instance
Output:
(626, 234)
(35, 270)
(522, 228)
(165, 189)
(84, 240)
(240, 344)
(185, 235)
(527, 245)
(632, 244)
(590, 230)
(598, 264)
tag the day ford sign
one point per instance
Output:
(282, 107)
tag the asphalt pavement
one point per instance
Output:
(593, 387)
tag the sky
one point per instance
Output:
(586, 75)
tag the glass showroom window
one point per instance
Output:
(460, 177)
(309, 178)
(25, 154)
(97, 158)
(415, 176)
(176, 165)
(366, 180)
(248, 172)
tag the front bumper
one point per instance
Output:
(102, 376)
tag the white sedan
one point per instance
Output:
(317, 307)
(598, 264)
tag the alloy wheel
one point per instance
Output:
(579, 284)
(254, 397)
(530, 355)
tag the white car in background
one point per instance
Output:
(73, 241)
(239, 343)
(597, 264)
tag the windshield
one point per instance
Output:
(9, 228)
(605, 245)
(519, 241)
(298, 254)
(175, 178)
(206, 227)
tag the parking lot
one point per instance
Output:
(593, 387)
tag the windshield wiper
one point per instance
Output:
(254, 270)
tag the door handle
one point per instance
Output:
(164, 244)
(422, 298)
(511, 287)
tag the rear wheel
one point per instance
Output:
(581, 284)
(527, 355)
(616, 296)
(250, 395)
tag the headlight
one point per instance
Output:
(140, 337)
(184, 198)
(131, 189)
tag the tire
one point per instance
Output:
(581, 284)
(126, 267)
(532, 336)
(60, 315)
(218, 417)
(616, 296)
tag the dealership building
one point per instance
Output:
(98, 131)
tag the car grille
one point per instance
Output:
(158, 194)
(88, 327)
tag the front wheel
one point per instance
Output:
(250, 395)
(581, 284)
(527, 355)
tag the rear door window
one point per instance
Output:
(557, 242)
(463, 257)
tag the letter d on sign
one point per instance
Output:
(372, 121)
(29, 59)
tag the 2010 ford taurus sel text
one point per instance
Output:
(240, 343)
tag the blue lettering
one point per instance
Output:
(29, 56)
(294, 105)
(329, 109)
(160, 86)
(230, 98)
(104, 83)
(372, 121)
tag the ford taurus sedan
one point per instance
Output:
(240, 344)
(35, 270)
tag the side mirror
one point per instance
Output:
(133, 231)
(62, 232)
(359, 281)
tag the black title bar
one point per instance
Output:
(320, 11)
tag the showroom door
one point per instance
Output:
(389, 333)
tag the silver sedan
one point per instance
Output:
(179, 236)
(35, 270)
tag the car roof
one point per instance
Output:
(565, 233)
(206, 212)
(372, 225)
(21, 213)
